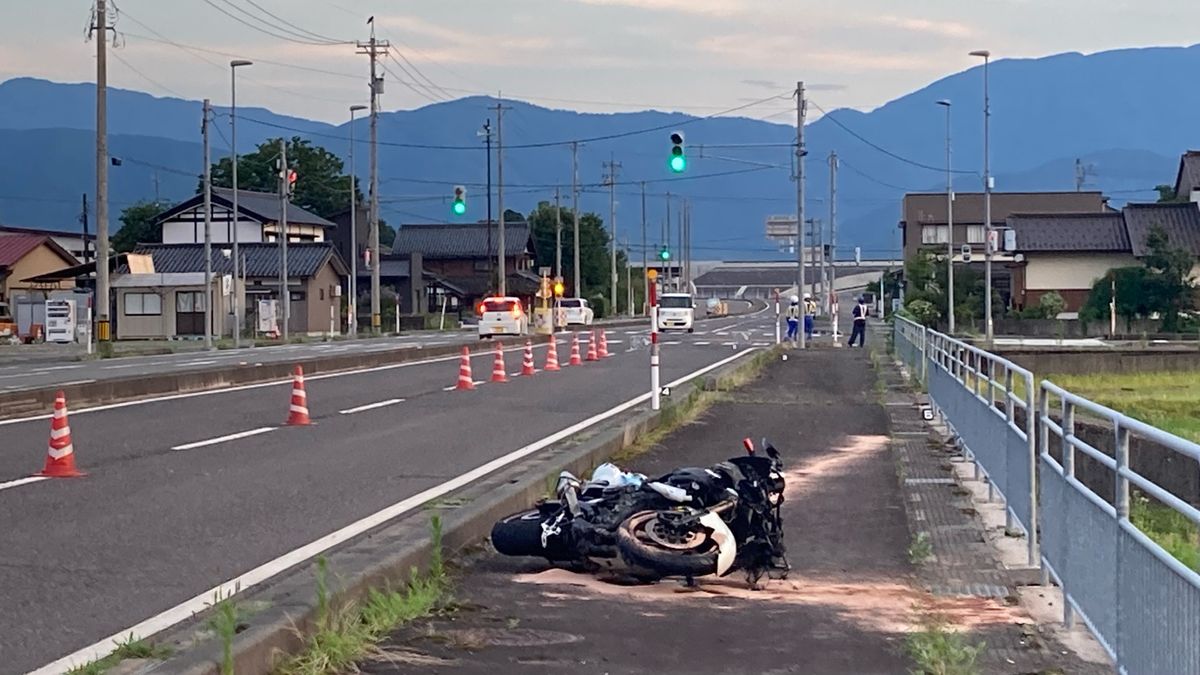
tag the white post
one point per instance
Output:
(442, 321)
(331, 322)
(89, 328)
(655, 396)
(778, 329)
(834, 311)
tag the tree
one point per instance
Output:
(1130, 284)
(1166, 194)
(593, 247)
(321, 187)
(1169, 288)
(138, 226)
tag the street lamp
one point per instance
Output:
(353, 230)
(987, 197)
(237, 292)
(949, 223)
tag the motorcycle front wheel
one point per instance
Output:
(646, 541)
(521, 535)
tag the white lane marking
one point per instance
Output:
(22, 481)
(704, 343)
(206, 362)
(371, 406)
(264, 572)
(246, 387)
(223, 439)
(118, 366)
(672, 342)
(62, 367)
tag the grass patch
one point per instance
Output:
(131, 648)
(1167, 400)
(921, 549)
(1168, 528)
(938, 650)
(346, 634)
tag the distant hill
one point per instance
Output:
(1046, 113)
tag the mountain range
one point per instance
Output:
(1124, 115)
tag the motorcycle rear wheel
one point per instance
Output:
(641, 547)
(521, 535)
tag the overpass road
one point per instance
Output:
(186, 492)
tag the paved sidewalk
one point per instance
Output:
(851, 600)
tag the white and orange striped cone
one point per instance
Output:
(465, 382)
(60, 456)
(591, 356)
(298, 410)
(552, 355)
(575, 360)
(604, 345)
(498, 374)
(527, 361)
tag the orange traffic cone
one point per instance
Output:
(464, 371)
(60, 456)
(527, 362)
(575, 360)
(498, 374)
(298, 410)
(604, 345)
(592, 347)
(552, 355)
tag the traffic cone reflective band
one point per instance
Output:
(60, 457)
(575, 360)
(298, 410)
(498, 374)
(604, 344)
(464, 371)
(552, 355)
(592, 347)
(527, 362)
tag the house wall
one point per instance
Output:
(321, 298)
(1069, 275)
(38, 261)
(164, 326)
(183, 229)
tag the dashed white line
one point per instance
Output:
(703, 343)
(223, 439)
(371, 406)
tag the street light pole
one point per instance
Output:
(238, 309)
(987, 197)
(353, 304)
(801, 109)
(949, 222)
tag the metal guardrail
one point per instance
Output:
(1141, 603)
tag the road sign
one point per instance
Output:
(543, 271)
(665, 391)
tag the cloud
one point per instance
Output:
(828, 86)
(759, 51)
(722, 8)
(762, 84)
(951, 29)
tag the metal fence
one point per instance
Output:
(1139, 600)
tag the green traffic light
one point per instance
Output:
(665, 254)
(460, 208)
(678, 163)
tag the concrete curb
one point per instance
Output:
(286, 610)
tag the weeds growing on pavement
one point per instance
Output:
(938, 650)
(224, 623)
(131, 648)
(346, 634)
(920, 549)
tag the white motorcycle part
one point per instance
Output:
(678, 495)
(726, 544)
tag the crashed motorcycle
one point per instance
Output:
(691, 522)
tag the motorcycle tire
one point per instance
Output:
(521, 535)
(642, 554)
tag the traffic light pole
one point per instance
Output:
(800, 243)
(577, 289)
(285, 295)
(655, 395)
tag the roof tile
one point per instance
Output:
(454, 240)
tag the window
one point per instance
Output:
(975, 234)
(298, 296)
(188, 302)
(322, 293)
(675, 301)
(499, 305)
(143, 304)
(934, 234)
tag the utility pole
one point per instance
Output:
(502, 263)
(208, 295)
(628, 279)
(610, 178)
(801, 109)
(667, 238)
(575, 212)
(373, 48)
(285, 294)
(645, 279)
(685, 232)
(831, 300)
(818, 234)
(235, 217)
(101, 301)
(353, 304)
(83, 219)
(557, 236)
(487, 134)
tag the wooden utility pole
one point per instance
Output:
(374, 48)
(101, 301)
(208, 332)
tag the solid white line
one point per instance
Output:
(22, 481)
(371, 406)
(222, 439)
(264, 572)
(198, 363)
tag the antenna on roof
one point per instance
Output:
(1081, 174)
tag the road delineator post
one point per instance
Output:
(552, 355)
(465, 382)
(498, 374)
(527, 360)
(591, 353)
(604, 344)
(575, 360)
(298, 409)
(60, 455)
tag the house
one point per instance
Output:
(258, 220)
(463, 255)
(170, 301)
(1187, 181)
(82, 247)
(1068, 252)
(341, 233)
(23, 256)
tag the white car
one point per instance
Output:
(576, 311)
(502, 316)
(676, 311)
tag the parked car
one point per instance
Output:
(502, 316)
(577, 311)
(676, 311)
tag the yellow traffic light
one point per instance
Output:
(558, 289)
(652, 274)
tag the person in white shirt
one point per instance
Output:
(859, 332)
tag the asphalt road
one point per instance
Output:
(170, 509)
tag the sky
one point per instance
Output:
(696, 56)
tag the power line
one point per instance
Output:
(423, 91)
(194, 48)
(264, 31)
(873, 179)
(889, 153)
(146, 77)
(315, 36)
(421, 75)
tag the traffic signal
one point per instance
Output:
(664, 254)
(291, 182)
(459, 207)
(559, 289)
(678, 158)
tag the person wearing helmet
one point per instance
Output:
(859, 332)
(793, 319)
(810, 315)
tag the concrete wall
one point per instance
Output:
(1078, 361)
(1071, 271)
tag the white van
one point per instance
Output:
(502, 316)
(676, 311)
(577, 311)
